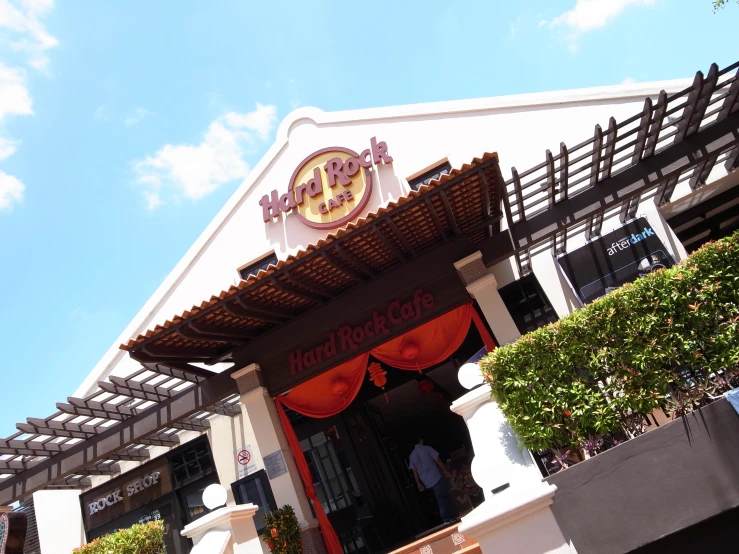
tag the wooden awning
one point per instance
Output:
(463, 203)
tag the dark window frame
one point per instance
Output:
(262, 263)
(435, 172)
(179, 460)
(548, 313)
(260, 475)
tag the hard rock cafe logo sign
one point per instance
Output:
(329, 188)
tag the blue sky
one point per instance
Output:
(125, 126)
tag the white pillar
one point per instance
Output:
(483, 287)
(263, 424)
(228, 530)
(515, 516)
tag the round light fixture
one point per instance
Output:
(470, 376)
(214, 496)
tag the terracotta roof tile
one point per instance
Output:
(272, 268)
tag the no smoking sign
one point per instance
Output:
(244, 457)
(245, 461)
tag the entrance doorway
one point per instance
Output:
(359, 458)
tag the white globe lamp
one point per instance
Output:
(214, 496)
(470, 376)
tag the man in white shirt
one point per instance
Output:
(428, 470)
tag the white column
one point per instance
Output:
(516, 515)
(263, 424)
(483, 287)
(228, 530)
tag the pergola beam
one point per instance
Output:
(635, 180)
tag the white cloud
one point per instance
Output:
(588, 15)
(14, 97)
(21, 31)
(136, 117)
(7, 148)
(194, 171)
(11, 191)
(628, 81)
(28, 34)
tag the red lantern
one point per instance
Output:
(409, 350)
(339, 386)
(377, 375)
(425, 387)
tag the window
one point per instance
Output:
(254, 267)
(427, 175)
(333, 477)
(191, 463)
(528, 305)
(255, 489)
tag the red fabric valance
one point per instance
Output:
(322, 395)
(425, 346)
(433, 342)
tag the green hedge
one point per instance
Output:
(655, 343)
(147, 538)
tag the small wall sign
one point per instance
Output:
(245, 461)
(275, 465)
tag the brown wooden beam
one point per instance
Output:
(238, 308)
(342, 266)
(648, 174)
(435, 218)
(656, 127)
(293, 290)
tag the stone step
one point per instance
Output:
(439, 542)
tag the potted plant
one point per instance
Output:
(282, 532)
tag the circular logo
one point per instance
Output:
(331, 187)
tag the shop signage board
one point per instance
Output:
(614, 259)
(343, 339)
(126, 493)
(329, 188)
(245, 461)
(275, 465)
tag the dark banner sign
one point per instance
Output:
(619, 257)
(126, 493)
(360, 331)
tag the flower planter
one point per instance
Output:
(653, 486)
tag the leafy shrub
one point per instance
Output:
(147, 538)
(282, 532)
(669, 340)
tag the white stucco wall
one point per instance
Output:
(59, 521)
(520, 128)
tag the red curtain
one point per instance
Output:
(330, 392)
(333, 546)
(428, 344)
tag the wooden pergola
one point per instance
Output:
(676, 138)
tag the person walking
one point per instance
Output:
(429, 473)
